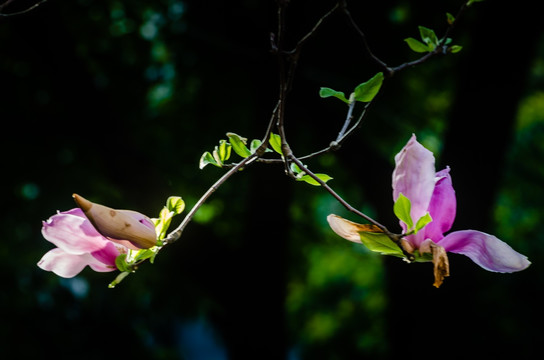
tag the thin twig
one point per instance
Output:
(285, 82)
(452, 25)
(5, 4)
(335, 195)
(390, 71)
(312, 32)
(349, 117)
(333, 146)
(265, 143)
(362, 35)
(19, 12)
(440, 49)
(294, 54)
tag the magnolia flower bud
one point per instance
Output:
(119, 225)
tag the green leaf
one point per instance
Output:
(455, 49)
(223, 150)
(429, 37)
(241, 138)
(425, 257)
(239, 145)
(175, 204)
(380, 243)
(422, 222)
(121, 263)
(216, 157)
(326, 92)
(450, 18)
(255, 145)
(161, 227)
(417, 45)
(402, 208)
(302, 176)
(366, 91)
(275, 142)
(206, 159)
(296, 169)
(308, 179)
(144, 254)
(470, 2)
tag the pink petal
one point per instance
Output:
(107, 255)
(99, 267)
(485, 250)
(442, 207)
(414, 176)
(125, 243)
(72, 232)
(62, 263)
(69, 265)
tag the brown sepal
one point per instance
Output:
(441, 264)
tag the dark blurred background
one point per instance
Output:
(117, 100)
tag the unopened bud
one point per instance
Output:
(119, 225)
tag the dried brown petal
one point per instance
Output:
(350, 230)
(441, 264)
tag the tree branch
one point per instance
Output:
(312, 32)
(287, 72)
(19, 12)
(362, 35)
(390, 71)
(278, 114)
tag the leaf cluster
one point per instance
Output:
(223, 151)
(128, 262)
(430, 42)
(403, 208)
(235, 142)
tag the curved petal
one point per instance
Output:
(99, 267)
(72, 232)
(442, 207)
(62, 263)
(69, 265)
(107, 255)
(86, 227)
(414, 176)
(485, 250)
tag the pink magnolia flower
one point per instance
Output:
(432, 192)
(78, 244)
(93, 235)
(414, 176)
